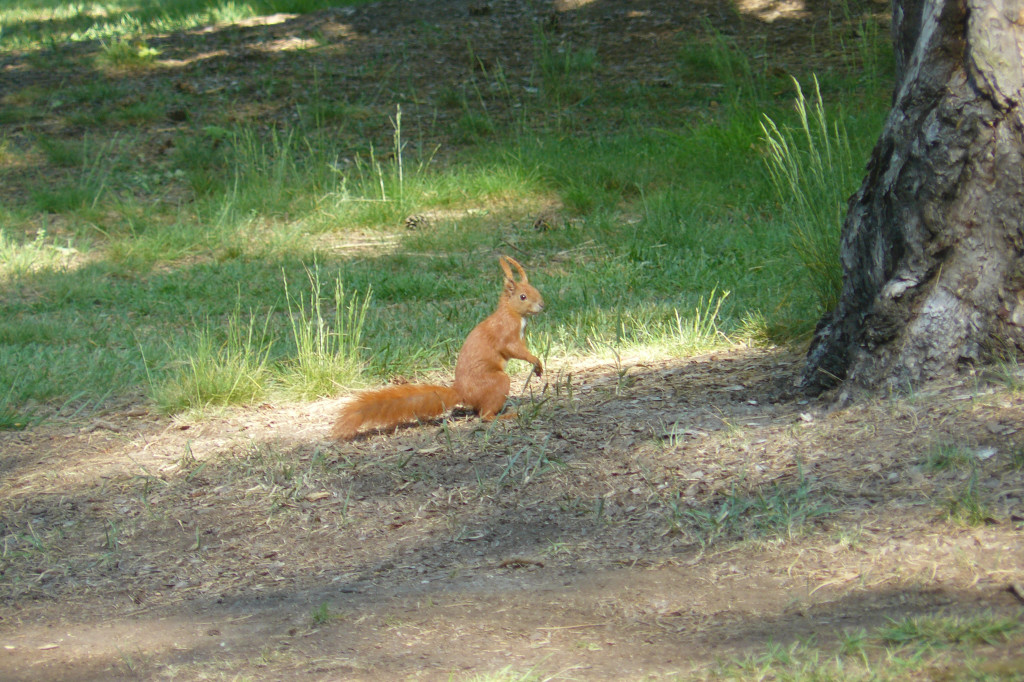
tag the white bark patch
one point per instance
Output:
(942, 317)
(995, 39)
(1017, 316)
(896, 288)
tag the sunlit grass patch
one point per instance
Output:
(221, 368)
(21, 257)
(126, 54)
(328, 347)
(31, 25)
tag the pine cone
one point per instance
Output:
(416, 221)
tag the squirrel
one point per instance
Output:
(480, 379)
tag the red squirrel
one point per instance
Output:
(480, 379)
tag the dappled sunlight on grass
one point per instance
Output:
(185, 198)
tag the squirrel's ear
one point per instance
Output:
(504, 266)
(513, 261)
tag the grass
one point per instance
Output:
(22, 257)
(962, 503)
(181, 265)
(12, 418)
(526, 464)
(779, 512)
(564, 69)
(918, 647)
(944, 456)
(218, 371)
(326, 355)
(46, 23)
(966, 505)
(718, 59)
(507, 674)
(949, 630)
(1008, 372)
(124, 54)
(813, 173)
(322, 615)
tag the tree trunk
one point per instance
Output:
(932, 242)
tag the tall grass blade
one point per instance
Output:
(813, 173)
(327, 351)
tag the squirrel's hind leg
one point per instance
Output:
(493, 399)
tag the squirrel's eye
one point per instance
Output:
(522, 297)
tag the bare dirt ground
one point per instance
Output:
(598, 537)
(136, 546)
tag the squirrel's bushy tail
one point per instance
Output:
(391, 406)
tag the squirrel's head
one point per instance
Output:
(520, 295)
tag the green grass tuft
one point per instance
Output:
(780, 512)
(327, 352)
(12, 417)
(814, 172)
(223, 368)
(944, 456)
(127, 54)
(322, 615)
(966, 506)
